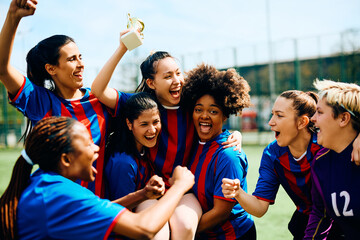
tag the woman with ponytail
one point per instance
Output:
(54, 84)
(49, 205)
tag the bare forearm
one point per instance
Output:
(157, 215)
(251, 204)
(131, 200)
(100, 85)
(211, 219)
(7, 37)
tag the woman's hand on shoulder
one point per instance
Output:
(234, 139)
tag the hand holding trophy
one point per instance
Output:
(134, 37)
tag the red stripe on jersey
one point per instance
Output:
(291, 178)
(228, 230)
(48, 114)
(64, 111)
(172, 143)
(264, 199)
(196, 159)
(113, 223)
(18, 93)
(189, 139)
(225, 199)
(202, 176)
(99, 181)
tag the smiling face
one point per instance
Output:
(327, 126)
(85, 152)
(208, 118)
(284, 122)
(68, 73)
(168, 82)
(146, 128)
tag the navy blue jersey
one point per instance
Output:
(336, 193)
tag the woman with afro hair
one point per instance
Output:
(211, 96)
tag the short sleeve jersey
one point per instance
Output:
(174, 144)
(278, 166)
(54, 207)
(38, 102)
(336, 181)
(126, 174)
(211, 163)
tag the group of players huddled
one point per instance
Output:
(158, 163)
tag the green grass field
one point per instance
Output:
(271, 226)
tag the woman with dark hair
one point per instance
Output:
(53, 86)
(128, 168)
(49, 205)
(211, 96)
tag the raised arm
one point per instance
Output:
(251, 204)
(147, 223)
(9, 76)
(99, 87)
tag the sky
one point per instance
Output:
(222, 33)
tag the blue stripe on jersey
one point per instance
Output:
(279, 167)
(210, 163)
(171, 149)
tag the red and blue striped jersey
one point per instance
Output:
(211, 163)
(38, 102)
(126, 174)
(174, 144)
(335, 193)
(278, 166)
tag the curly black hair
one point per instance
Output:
(228, 88)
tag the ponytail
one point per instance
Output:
(9, 200)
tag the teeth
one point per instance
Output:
(205, 124)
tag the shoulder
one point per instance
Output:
(122, 160)
(274, 150)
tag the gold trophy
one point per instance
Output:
(135, 37)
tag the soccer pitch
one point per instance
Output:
(273, 225)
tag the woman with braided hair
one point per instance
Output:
(50, 205)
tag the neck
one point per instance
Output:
(342, 139)
(139, 147)
(301, 143)
(70, 93)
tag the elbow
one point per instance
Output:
(258, 214)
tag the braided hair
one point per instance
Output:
(49, 139)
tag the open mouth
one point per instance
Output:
(277, 134)
(205, 127)
(150, 137)
(175, 94)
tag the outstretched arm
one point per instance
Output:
(9, 76)
(99, 87)
(231, 189)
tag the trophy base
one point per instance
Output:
(131, 40)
